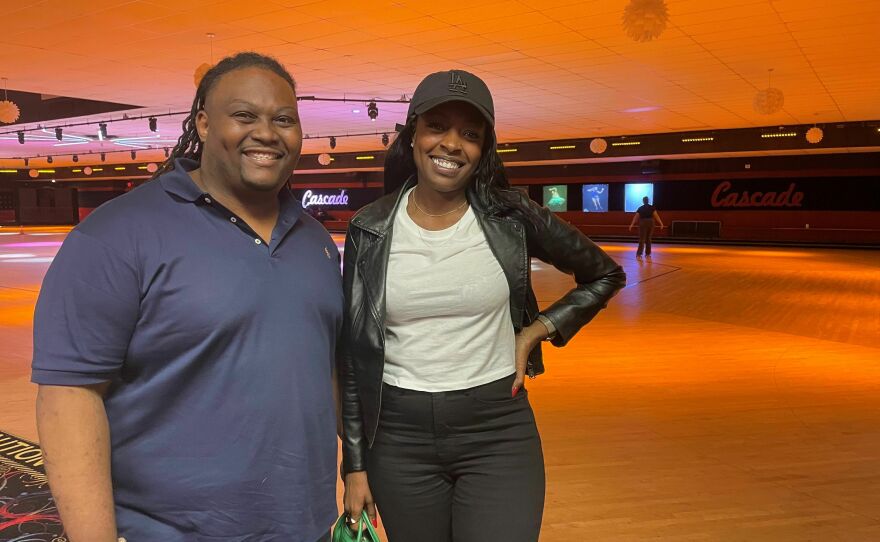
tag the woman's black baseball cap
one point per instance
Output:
(452, 86)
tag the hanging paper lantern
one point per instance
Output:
(33, 174)
(815, 135)
(644, 20)
(324, 159)
(9, 112)
(598, 145)
(769, 101)
(200, 72)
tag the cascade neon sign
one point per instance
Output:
(788, 198)
(337, 200)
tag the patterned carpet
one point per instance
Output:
(27, 509)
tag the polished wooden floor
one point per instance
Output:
(727, 394)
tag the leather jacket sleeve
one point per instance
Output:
(354, 444)
(598, 277)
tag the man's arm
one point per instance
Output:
(75, 438)
(657, 218)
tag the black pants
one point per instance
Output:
(460, 466)
(646, 229)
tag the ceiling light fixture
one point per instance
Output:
(372, 111)
(49, 159)
(332, 142)
(59, 134)
(102, 131)
(154, 124)
(9, 112)
(770, 100)
(21, 137)
(780, 134)
(204, 67)
(598, 145)
(385, 140)
(814, 135)
(645, 20)
(75, 158)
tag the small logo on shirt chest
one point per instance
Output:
(327, 252)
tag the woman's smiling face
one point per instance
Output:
(447, 145)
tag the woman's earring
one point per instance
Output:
(412, 144)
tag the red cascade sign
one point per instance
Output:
(721, 197)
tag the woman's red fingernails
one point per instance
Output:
(514, 391)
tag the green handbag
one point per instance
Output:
(365, 532)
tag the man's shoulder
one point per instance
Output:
(128, 212)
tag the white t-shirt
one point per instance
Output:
(448, 323)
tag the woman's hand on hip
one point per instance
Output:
(358, 498)
(526, 341)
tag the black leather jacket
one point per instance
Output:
(367, 246)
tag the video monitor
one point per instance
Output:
(633, 194)
(556, 197)
(595, 198)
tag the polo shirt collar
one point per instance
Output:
(179, 183)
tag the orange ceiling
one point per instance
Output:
(557, 69)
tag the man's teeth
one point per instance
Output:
(262, 156)
(446, 164)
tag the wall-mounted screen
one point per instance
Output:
(595, 198)
(556, 197)
(634, 193)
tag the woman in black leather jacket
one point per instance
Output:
(442, 326)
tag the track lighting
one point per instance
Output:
(75, 158)
(103, 156)
(385, 139)
(21, 137)
(166, 152)
(49, 160)
(59, 135)
(134, 155)
(153, 124)
(372, 111)
(332, 142)
(26, 162)
(102, 131)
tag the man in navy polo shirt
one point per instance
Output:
(185, 334)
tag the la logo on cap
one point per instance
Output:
(456, 83)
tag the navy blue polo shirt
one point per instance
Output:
(219, 347)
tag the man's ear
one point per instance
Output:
(202, 125)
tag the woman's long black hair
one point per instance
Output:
(490, 184)
(189, 145)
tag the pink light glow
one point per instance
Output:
(40, 244)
